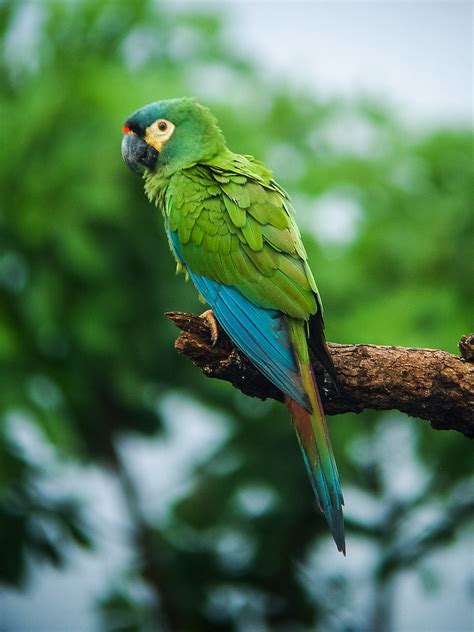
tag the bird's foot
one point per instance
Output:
(211, 320)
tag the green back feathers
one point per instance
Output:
(235, 225)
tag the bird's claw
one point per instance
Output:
(211, 320)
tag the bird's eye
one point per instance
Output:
(159, 133)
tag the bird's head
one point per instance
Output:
(171, 134)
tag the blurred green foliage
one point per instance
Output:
(85, 277)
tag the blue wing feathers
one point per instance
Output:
(260, 333)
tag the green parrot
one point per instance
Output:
(232, 231)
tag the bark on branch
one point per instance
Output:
(425, 383)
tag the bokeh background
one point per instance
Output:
(137, 495)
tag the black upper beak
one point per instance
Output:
(138, 154)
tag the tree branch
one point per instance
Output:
(425, 383)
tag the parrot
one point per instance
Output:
(233, 233)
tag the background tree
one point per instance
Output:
(87, 357)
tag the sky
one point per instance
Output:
(415, 56)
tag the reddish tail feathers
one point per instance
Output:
(313, 437)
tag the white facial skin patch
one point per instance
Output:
(158, 133)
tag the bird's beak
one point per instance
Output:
(137, 154)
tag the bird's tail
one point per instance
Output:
(313, 437)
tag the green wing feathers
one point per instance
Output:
(236, 226)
